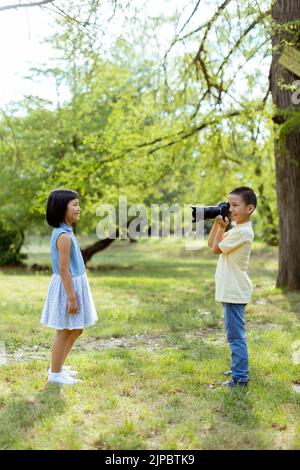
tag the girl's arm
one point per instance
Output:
(64, 247)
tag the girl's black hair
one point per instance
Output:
(57, 205)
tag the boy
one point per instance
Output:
(233, 286)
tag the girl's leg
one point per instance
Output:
(58, 348)
(74, 334)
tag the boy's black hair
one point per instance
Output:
(247, 194)
(57, 205)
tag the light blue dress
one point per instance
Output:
(54, 312)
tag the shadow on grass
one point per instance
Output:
(19, 415)
(239, 422)
(174, 387)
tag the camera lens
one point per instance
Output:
(211, 212)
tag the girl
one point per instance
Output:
(69, 305)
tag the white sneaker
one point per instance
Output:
(61, 378)
(71, 372)
(67, 370)
(66, 374)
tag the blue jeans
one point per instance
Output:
(234, 320)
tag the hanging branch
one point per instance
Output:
(242, 37)
(214, 85)
(176, 138)
(208, 28)
(25, 5)
(191, 15)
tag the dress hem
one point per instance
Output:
(65, 328)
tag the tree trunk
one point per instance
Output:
(91, 250)
(100, 245)
(287, 152)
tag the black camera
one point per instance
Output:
(210, 212)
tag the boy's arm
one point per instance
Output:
(217, 240)
(212, 234)
(220, 233)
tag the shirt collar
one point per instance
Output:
(244, 224)
(66, 226)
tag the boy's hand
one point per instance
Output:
(219, 220)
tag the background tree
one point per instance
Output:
(154, 127)
(286, 16)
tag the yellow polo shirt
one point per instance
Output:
(233, 284)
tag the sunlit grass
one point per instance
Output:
(150, 390)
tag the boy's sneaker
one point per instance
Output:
(227, 373)
(62, 378)
(234, 383)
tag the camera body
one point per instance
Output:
(210, 212)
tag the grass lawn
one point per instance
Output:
(148, 362)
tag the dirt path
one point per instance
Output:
(144, 341)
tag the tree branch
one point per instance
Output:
(178, 137)
(191, 15)
(240, 39)
(208, 27)
(25, 5)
